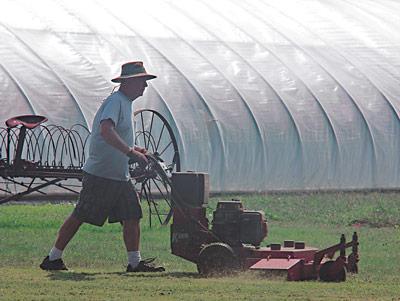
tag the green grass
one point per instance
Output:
(97, 258)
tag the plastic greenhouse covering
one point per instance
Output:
(262, 95)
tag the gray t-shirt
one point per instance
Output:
(105, 160)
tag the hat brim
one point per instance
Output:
(146, 76)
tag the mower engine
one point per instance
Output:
(236, 226)
(232, 225)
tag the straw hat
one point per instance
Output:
(133, 69)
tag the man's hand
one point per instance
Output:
(140, 150)
(138, 156)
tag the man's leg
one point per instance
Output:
(129, 211)
(131, 234)
(53, 261)
(67, 231)
(131, 230)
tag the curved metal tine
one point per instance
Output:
(53, 131)
(80, 146)
(79, 125)
(84, 150)
(148, 137)
(47, 138)
(84, 141)
(139, 134)
(66, 145)
(74, 145)
(13, 136)
(37, 145)
(31, 144)
(28, 145)
(3, 143)
(62, 133)
(150, 140)
(59, 134)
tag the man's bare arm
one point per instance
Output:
(110, 135)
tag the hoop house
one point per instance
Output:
(263, 95)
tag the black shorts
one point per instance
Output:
(102, 198)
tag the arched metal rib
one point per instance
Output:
(118, 50)
(324, 113)
(372, 140)
(19, 87)
(285, 106)
(243, 100)
(69, 91)
(197, 92)
(152, 85)
(391, 105)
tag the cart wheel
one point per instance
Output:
(328, 272)
(155, 134)
(217, 259)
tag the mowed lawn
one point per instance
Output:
(97, 259)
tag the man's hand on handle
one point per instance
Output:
(138, 155)
(140, 149)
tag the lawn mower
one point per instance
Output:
(232, 241)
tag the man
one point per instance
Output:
(106, 188)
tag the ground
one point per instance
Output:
(97, 259)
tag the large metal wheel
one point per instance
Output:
(153, 132)
(217, 259)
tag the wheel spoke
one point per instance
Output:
(145, 140)
(165, 148)
(165, 197)
(151, 127)
(154, 204)
(159, 138)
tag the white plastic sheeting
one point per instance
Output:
(263, 95)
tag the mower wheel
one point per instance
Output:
(328, 273)
(217, 259)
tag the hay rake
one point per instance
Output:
(34, 156)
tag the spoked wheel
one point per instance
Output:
(155, 134)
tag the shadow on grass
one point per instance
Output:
(84, 276)
(167, 274)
